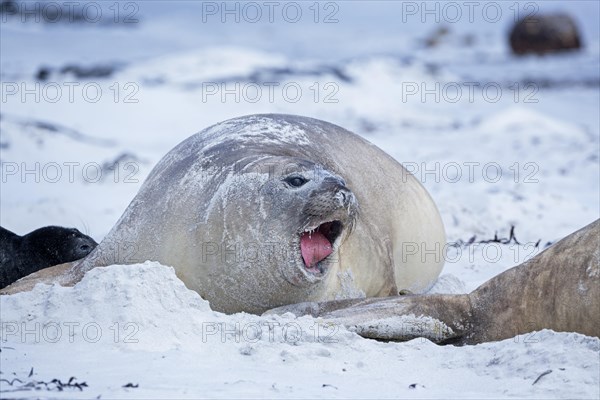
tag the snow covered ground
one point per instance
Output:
(498, 141)
(164, 338)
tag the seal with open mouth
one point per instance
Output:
(266, 210)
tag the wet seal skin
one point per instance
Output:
(266, 210)
(42, 248)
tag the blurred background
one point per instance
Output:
(492, 105)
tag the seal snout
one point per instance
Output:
(331, 210)
(345, 197)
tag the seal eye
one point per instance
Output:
(296, 181)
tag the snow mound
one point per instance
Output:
(148, 302)
(147, 297)
(143, 316)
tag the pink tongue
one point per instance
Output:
(314, 248)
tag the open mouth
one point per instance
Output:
(317, 244)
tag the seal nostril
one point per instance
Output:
(84, 247)
(343, 197)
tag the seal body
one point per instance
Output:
(267, 210)
(544, 34)
(42, 248)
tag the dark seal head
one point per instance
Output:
(58, 245)
(42, 248)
